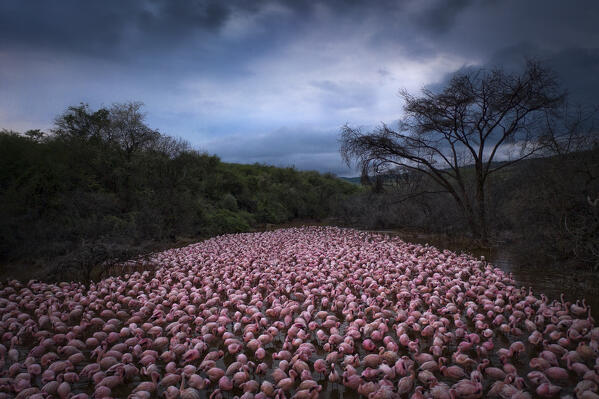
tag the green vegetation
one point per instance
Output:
(103, 186)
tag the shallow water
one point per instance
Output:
(549, 280)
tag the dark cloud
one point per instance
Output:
(133, 26)
(441, 16)
(176, 15)
(485, 27)
(47, 25)
(115, 27)
(108, 27)
(576, 68)
(207, 68)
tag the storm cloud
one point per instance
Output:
(273, 81)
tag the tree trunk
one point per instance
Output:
(475, 227)
(481, 210)
(467, 211)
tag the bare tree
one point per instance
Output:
(481, 122)
(572, 129)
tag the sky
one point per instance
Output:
(273, 81)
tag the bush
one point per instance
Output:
(226, 221)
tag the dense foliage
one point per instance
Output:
(105, 186)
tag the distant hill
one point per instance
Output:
(354, 180)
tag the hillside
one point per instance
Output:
(354, 180)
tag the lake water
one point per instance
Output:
(549, 280)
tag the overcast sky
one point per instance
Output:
(273, 81)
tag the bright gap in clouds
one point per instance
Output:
(309, 90)
(303, 91)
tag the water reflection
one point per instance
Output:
(549, 280)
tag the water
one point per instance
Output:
(550, 280)
(553, 280)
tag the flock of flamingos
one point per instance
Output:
(296, 313)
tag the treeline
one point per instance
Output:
(103, 186)
(546, 209)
